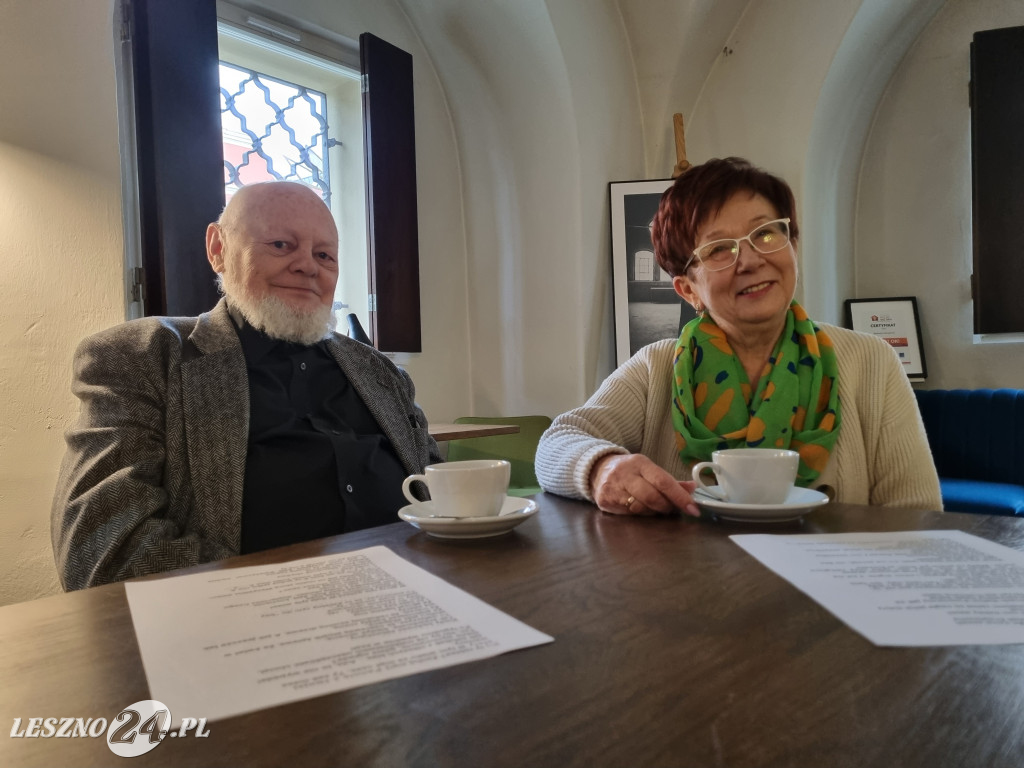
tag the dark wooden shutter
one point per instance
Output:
(392, 236)
(179, 148)
(997, 162)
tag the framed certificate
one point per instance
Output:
(896, 321)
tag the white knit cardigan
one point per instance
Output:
(881, 456)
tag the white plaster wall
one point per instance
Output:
(748, 76)
(759, 97)
(60, 257)
(674, 46)
(913, 229)
(790, 84)
(872, 48)
(607, 124)
(500, 69)
(544, 105)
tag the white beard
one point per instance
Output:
(276, 318)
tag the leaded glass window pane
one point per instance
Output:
(272, 129)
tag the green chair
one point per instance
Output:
(518, 450)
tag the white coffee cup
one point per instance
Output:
(751, 475)
(464, 488)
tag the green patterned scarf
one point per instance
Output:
(796, 404)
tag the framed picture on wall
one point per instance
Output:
(646, 306)
(896, 321)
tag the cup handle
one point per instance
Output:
(696, 472)
(409, 481)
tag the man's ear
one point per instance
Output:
(687, 291)
(215, 247)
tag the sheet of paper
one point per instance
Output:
(232, 641)
(905, 588)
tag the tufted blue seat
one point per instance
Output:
(977, 441)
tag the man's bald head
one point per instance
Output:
(276, 246)
(253, 200)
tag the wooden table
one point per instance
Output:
(672, 648)
(442, 431)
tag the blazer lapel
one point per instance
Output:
(370, 382)
(215, 397)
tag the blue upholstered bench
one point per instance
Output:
(977, 441)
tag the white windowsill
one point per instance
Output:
(998, 338)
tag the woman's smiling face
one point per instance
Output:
(753, 294)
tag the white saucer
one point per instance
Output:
(514, 511)
(799, 502)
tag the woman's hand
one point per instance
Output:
(632, 484)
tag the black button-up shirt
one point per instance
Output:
(318, 463)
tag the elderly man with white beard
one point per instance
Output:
(251, 426)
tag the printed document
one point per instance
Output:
(905, 588)
(235, 640)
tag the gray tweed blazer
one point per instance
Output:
(154, 471)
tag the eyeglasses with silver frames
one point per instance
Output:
(769, 237)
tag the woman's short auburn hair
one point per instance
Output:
(699, 194)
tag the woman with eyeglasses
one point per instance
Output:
(751, 370)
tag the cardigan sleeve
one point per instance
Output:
(611, 421)
(903, 472)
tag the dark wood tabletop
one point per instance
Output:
(672, 647)
(442, 431)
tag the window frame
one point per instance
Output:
(175, 167)
(341, 84)
(997, 179)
